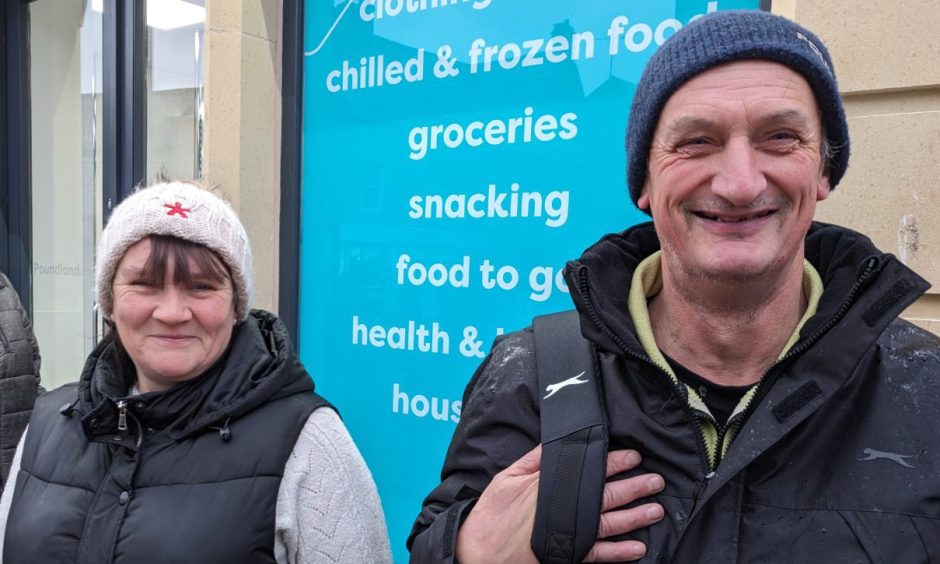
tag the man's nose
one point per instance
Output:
(173, 307)
(739, 179)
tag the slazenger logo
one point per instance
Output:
(892, 456)
(553, 388)
(815, 50)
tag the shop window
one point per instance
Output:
(66, 125)
(175, 109)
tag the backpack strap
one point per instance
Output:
(574, 441)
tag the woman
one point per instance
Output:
(194, 433)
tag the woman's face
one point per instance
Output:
(171, 331)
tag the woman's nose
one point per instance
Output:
(173, 306)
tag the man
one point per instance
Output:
(753, 358)
(19, 373)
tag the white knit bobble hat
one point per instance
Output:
(181, 210)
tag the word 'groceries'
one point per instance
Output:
(521, 129)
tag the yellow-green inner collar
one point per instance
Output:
(647, 282)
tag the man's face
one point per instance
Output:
(735, 172)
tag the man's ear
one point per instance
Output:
(643, 202)
(822, 188)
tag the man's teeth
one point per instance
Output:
(734, 220)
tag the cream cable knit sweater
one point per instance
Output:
(328, 509)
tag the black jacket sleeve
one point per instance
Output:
(499, 423)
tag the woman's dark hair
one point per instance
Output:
(162, 247)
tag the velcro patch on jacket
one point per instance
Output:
(450, 525)
(886, 301)
(466, 492)
(797, 400)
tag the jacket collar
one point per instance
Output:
(865, 290)
(259, 366)
(600, 280)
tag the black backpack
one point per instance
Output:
(574, 441)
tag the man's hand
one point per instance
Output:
(616, 521)
(499, 527)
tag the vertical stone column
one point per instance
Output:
(243, 123)
(886, 54)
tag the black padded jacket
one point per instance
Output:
(19, 373)
(190, 474)
(836, 458)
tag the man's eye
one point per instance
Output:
(784, 135)
(781, 141)
(695, 145)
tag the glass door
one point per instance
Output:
(66, 123)
(175, 109)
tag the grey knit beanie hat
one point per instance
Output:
(721, 37)
(182, 210)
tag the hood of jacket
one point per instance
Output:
(854, 272)
(258, 366)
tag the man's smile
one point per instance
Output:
(731, 217)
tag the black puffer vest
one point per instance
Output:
(186, 475)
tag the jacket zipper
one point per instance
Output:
(802, 346)
(122, 415)
(690, 413)
(732, 426)
(122, 421)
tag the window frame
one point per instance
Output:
(292, 61)
(124, 100)
(15, 150)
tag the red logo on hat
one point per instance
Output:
(177, 209)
